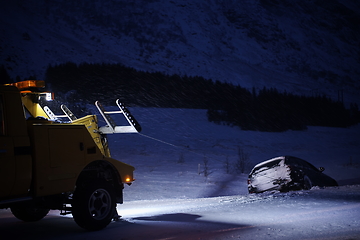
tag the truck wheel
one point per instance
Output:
(94, 205)
(29, 214)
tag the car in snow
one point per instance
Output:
(287, 173)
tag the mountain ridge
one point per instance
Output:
(307, 47)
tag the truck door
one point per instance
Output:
(7, 159)
(15, 151)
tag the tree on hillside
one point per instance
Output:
(4, 76)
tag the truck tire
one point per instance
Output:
(29, 214)
(94, 205)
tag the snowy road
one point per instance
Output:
(331, 213)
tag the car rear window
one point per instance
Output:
(267, 165)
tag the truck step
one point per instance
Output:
(65, 210)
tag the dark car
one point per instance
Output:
(286, 173)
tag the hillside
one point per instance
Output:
(307, 47)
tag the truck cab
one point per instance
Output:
(61, 162)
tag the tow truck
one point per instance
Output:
(59, 162)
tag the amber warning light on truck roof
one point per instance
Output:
(28, 84)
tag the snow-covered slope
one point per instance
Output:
(308, 47)
(175, 144)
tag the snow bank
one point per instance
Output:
(178, 146)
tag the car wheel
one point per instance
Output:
(29, 214)
(94, 205)
(307, 183)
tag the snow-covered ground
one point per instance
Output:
(171, 200)
(175, 144)
(330, 213)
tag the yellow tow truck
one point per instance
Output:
(47, 162)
